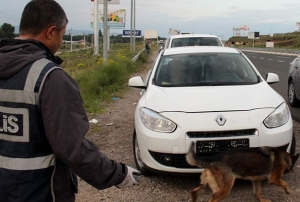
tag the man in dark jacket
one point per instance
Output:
(42, 118)
(147, 46)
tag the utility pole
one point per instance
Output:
(105, 34)
(131, 22)
(84, 40)
(96, 24)
(92, 41)
(134, 26)
(71, 41)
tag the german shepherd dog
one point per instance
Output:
(254, 164)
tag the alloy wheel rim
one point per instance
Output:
(291, 93)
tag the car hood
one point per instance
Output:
(212, 98)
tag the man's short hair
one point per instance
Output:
(38, 15)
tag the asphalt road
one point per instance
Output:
(278, 64)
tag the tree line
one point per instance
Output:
(7, 31)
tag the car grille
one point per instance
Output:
(230, 133)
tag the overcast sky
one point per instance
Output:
(217, 17)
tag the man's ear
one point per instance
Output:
(50, 32)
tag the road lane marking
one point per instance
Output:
(261, 58)
(283, 57)
(270, 59)
(280, 61)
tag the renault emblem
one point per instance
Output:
(221, 120)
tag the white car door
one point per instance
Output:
(297, 77)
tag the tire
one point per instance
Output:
(293, 101)
(138, 161)
(293, 146)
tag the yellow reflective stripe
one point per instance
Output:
(34, 73)
(18, 96)
(27, 163)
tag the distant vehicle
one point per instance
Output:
(193, 40)
(161, 41)
(212, 96)
(294, 83)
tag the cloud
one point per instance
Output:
(214, 16)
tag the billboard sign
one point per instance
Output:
(138, 33)
(269, 44)
(244, 27)
(253, 35)
(150, 34)
(298, 25)
(173, 32)
(250, 35)
(115, 18)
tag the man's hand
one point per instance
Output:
(132, 178)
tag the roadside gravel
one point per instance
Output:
(115, 141)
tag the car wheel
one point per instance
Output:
(137, 158)
(293, 146)
(292, 95)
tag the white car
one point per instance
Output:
(213, 96)
(294, 83)
(180, 40)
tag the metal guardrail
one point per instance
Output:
(266, 50)
(137, 56)
(272, 50)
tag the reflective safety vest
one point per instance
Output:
(27, 163)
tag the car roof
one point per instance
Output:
(193, 35)
(199, 49)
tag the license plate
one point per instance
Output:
(216, 146)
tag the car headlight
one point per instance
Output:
(278, 117)
(154, 121)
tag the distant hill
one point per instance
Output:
(281, 40)
(74, 31)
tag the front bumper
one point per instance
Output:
(156, 148)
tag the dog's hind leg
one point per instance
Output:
(257, 191)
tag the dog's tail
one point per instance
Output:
(194, 160)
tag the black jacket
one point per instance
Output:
(65, 122)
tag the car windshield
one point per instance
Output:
(204, 69)
(196, 41)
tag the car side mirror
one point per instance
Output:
(136, 82)
(272, 78)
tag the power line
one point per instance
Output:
(8, 20)
(16, 18)
(5, 18)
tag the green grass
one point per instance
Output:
(99, 82)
